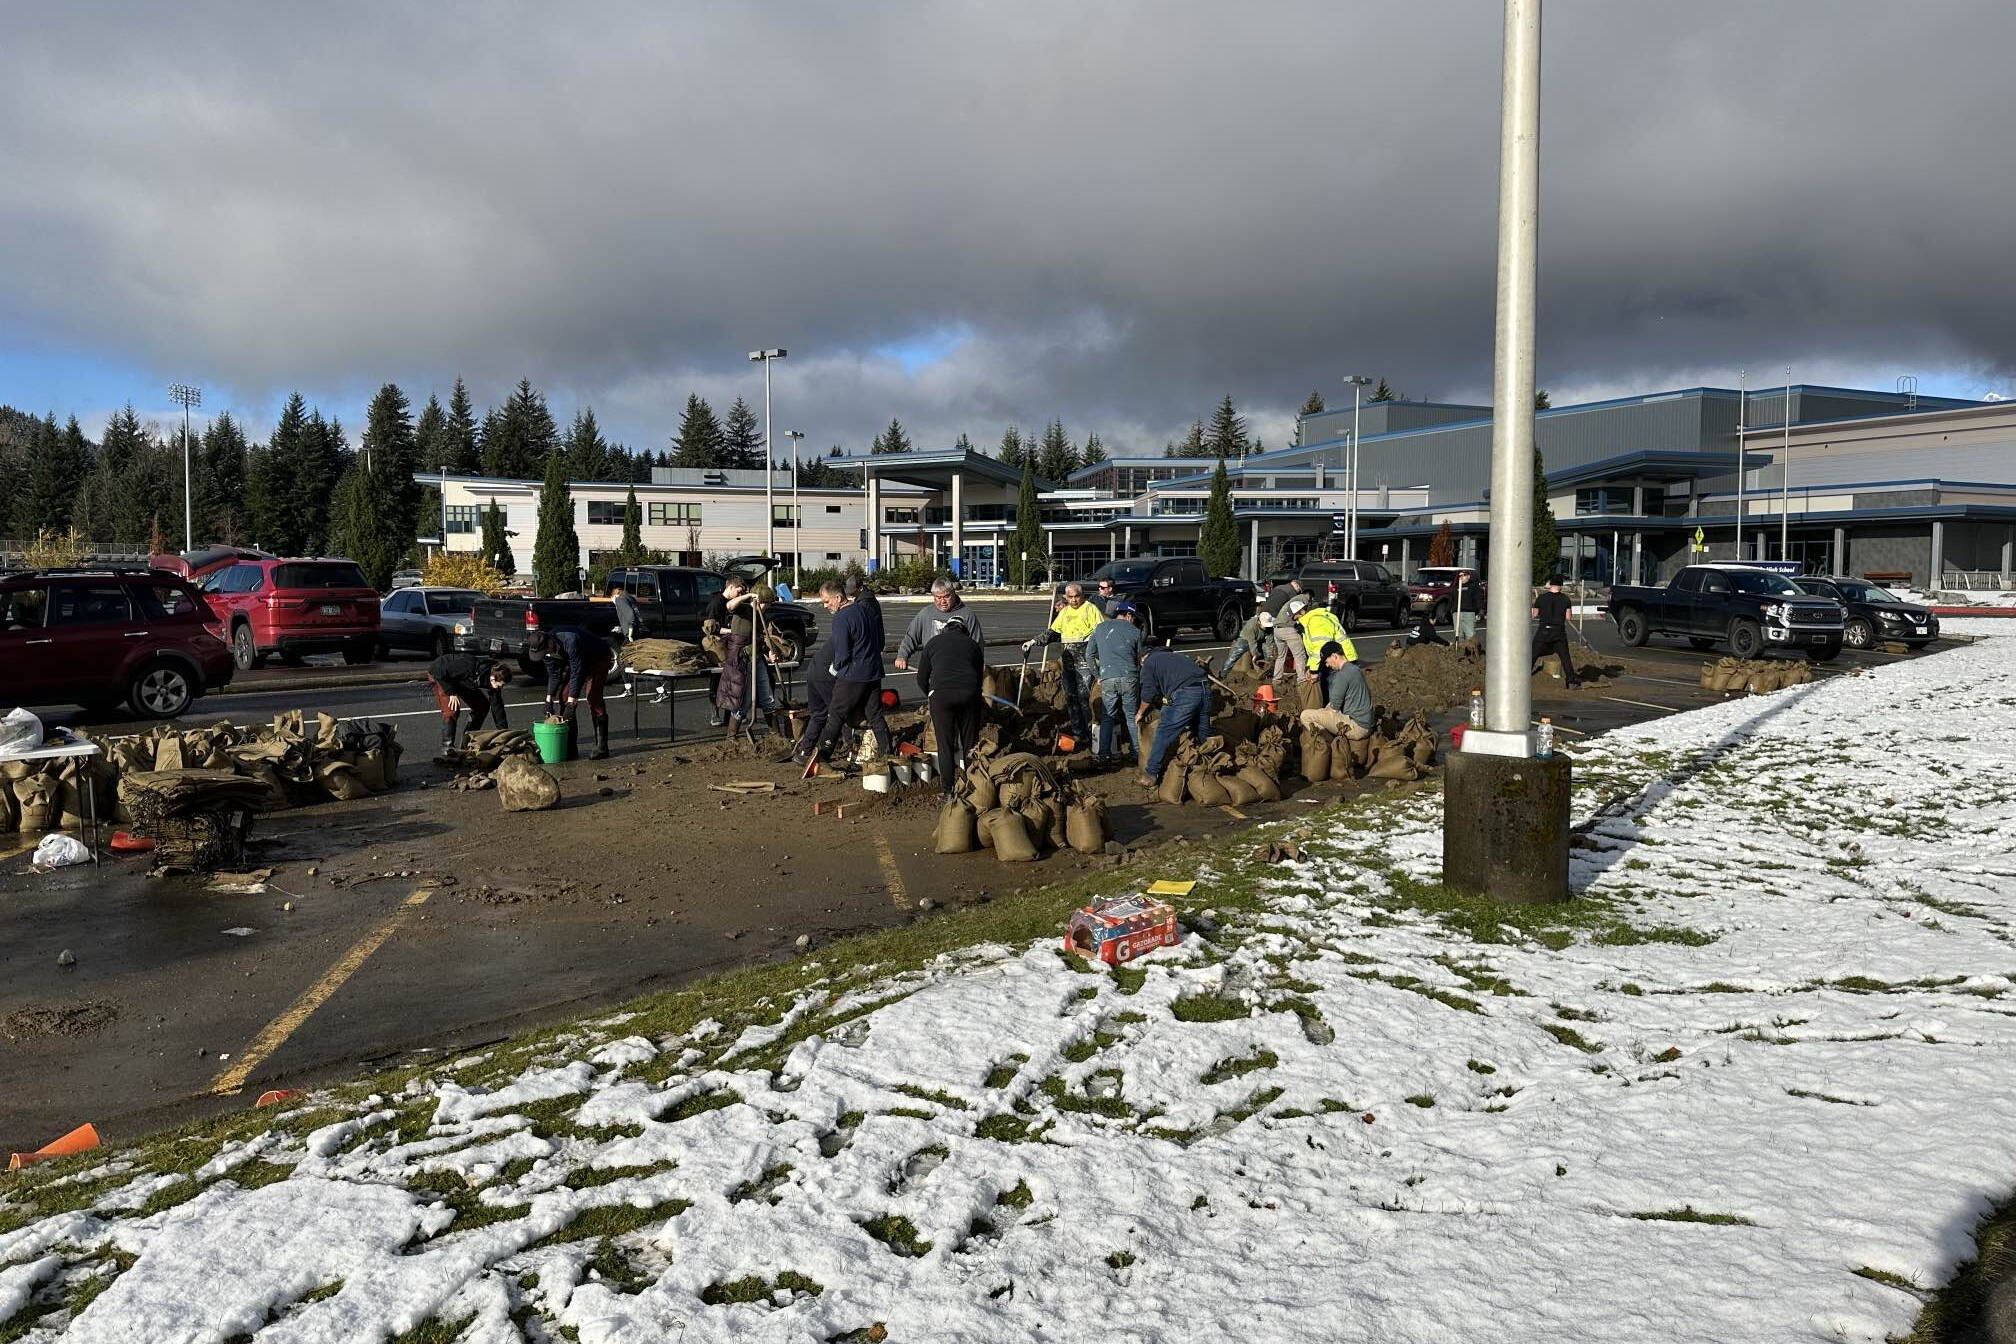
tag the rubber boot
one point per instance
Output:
(601, 752)
(448, 727)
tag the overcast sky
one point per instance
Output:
(965, 214)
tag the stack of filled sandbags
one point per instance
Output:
(1402, 750)
(1016, 804)
(667, 655)
(1753, 676)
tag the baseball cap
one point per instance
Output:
(1121, 608)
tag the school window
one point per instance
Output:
(832, 508)
(784, 515)
(899, 515)
(674, 515)
(462, 518)
(607, 512)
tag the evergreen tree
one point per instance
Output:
(1056, 458)
(1383, 391)
(632, 550)
(699, 442)
(432, 443)
(126, 485)
(375, 514)
(1312, 405)
(497, 542)
(223, 497)
(1218, 535)
(51, 474)
(1011, 452)
(891, 440)
(1095, 451)
(519, 437)
(353, 533)
(284, 518)
(1026, 548)
(463, 458)
(586, 451)
(1227, 436)
(741, 438)
(1541, 401)
(556, 551)
(1193, 444)
(1546, 537)
(963, 443)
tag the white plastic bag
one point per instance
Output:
(60, 851)
(19, 731)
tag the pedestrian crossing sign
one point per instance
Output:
(1700, 540)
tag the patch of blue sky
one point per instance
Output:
(915, 353)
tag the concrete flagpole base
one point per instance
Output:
(1505, 826)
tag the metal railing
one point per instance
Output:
(1978, 580)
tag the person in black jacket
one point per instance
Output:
(577, 668)
(1550, 630)
(465, 681)
(949, 673)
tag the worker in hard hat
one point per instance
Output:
(1319, 626)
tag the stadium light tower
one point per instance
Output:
(769, 477)
(186, 395)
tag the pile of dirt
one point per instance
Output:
(1426, 678)
(80, 1019)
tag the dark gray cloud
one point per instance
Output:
(1126, 209)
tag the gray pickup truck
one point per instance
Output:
(1745, 609)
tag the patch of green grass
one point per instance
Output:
(1004, 1073)
(1004, 1127)
(454, 1190)
(1129, 979)
(1120, 1259)
(702, 1103)
(434, 1331)
(1421, 1099)
(1574, 1014)
(1628, 988)
(910, 1113)
(1113, 1108)
(1209, 1008)
(1667, 1056)
(1239, 1066)
(1570, 1036)
(331, 1289)
(612, 1220)
(616, 1269)
(1479, 1066)
(1889, 1280)
(1079, 1051)
(1076, 964)
(747, 1289)
(896, 1232)
(1687, 1213)
(933, 1095)
(1018, 1198)
(1630, 935)
(256, 1173)
(1415, 985)
(764, 1187)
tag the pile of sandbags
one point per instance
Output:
(668, 655)
(1753, 676)
(484, 749)
(289, 763)
(1402, 750)
(1211, 773)
(197, 818)
(1016, 804)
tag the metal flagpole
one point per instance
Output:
(1742, 398)
(1785, 479)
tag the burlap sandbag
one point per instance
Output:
(1085, 826)
(1010, 834)
(1205, 787)
(1315, 756)
(1392, 763)
(981, 793)
(131, 753)
(341, 781)
(1266, 788)
(1344, 763)
(983, 828)
(1038, 815)
(1237, 789)
(169, 755)
(39, 797)
(261, 768)
(955, 833)
(1013, 793)
(13, 770)
(1170, 790)
(524, 787)
(10, 811)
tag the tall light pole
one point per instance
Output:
(1785, 478)
(1505, 810)
(769, 476)
(185, 395)
(797, 515)
(1742, 410)
(1359, 382)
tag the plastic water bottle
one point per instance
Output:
(1543, 740)
(1476, 709)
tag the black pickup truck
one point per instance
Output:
(1749, 610)
(670, 600)
(1175, 594)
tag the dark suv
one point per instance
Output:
(293, 608)
(1364, 591)
(1875, 613)
(99, 637)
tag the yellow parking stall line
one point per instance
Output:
(276, 1032)
(899, 895)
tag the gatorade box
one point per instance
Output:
(1120, 928)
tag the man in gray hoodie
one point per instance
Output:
(928, 623)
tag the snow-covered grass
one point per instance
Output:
(1750, 1085)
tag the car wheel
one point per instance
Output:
(1824, 653)
(244, 651)
(1859, 634)
(1228, 622)
(160, 691)
(442, 644)
(1698, 642)
(359, 651)
(1631, 628)
(1745, 639)
(1148, 632)
(1349, 619)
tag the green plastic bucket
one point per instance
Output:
(555, 741)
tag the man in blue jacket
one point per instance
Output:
(1114, 652)
(857, 672)
(1185, 691)
(577, 666)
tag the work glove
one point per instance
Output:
(1029, 646)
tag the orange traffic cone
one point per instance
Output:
(79, 1140)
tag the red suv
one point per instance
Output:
(292, 608)
(96, 637)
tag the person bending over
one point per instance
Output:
(577, 668)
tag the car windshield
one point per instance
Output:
(324, 574)
(1435, 575)
(1868, 592)
(1763, 583)
(1124, 571)
(450, 602)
